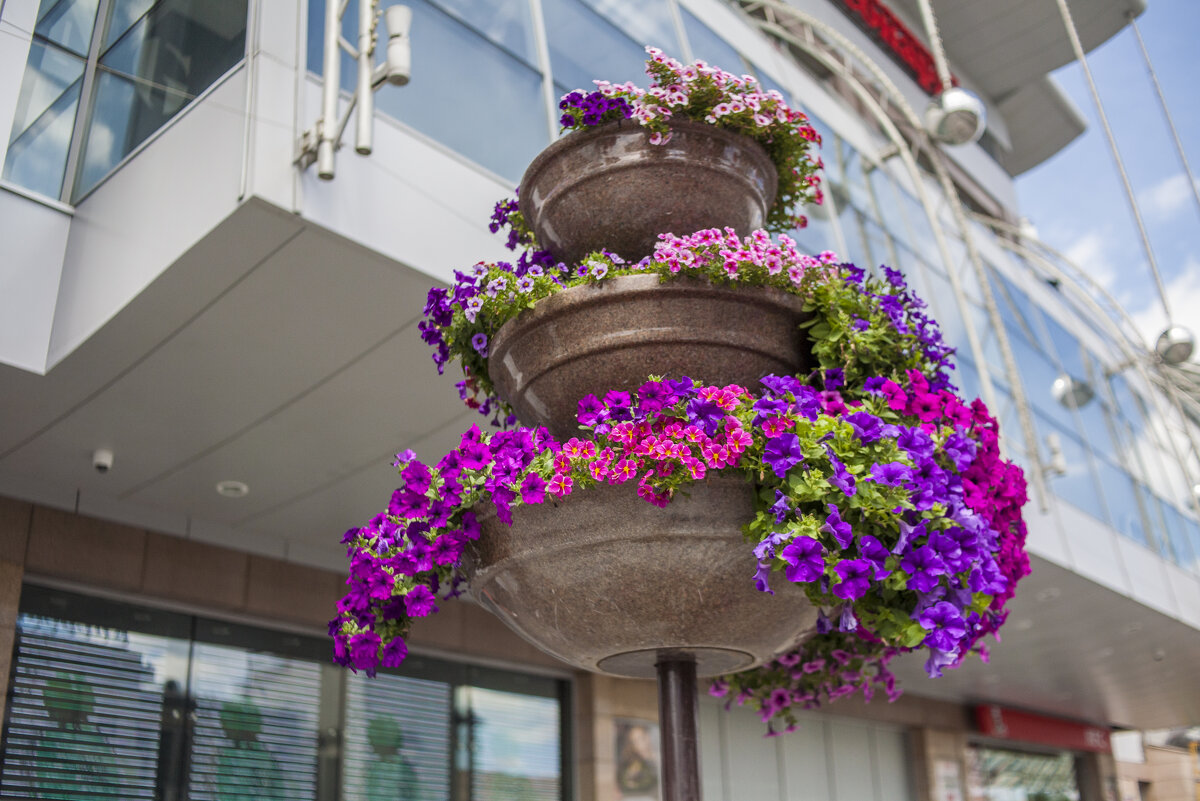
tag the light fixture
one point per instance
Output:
(956, 117)
(1048, 594)
(233, 489)
(1175, 345)
(1074, 393)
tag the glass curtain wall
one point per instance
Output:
(104, 75)
(115, 701)
(1115, 458)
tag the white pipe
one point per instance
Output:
(366, 98)
(329, 97)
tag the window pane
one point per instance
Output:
(153, 72)
(68, 23)
(1122, 500)
(37, 152)
(255, 731)
(461, 69)
(85, 711)
(397, 738)
(515, 745)
(707, 46)
(1076, 485)
(647, 22)
(584, 47)
(124, 14)
(504, 22)
(48, 75)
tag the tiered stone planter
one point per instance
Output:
(603, 580)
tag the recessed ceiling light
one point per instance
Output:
(233, 489)
(1048, 594)
(1024, 624)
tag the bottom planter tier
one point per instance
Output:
(609, 583)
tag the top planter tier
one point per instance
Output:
(609, 188)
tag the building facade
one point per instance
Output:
(182, 292)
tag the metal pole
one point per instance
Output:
(1073, 35)
(365, 93)
(1162, 99)
(677, 714)
(329, 101)
(935, 43)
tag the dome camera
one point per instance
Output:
(102, 460)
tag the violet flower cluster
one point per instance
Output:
(864, 325)
(863, 500)
(709, 95)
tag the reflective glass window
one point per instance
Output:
(891, 212)
(153, 58)
(1076, 484)
(998, 775)
(1121, 496)
(818, 235)
(467, 54)
(396, 743)
(1186, 549)
(709, 47)
(45, 119)
(648, 22)
(110, 700)
(68, 23)
(585, 46)
(154, 69)
(944, 306)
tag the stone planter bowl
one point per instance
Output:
(606, 582)
(610, 188)
(613, 335)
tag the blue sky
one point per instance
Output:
(1076, 199)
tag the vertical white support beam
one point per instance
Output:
(364, 126)
(329, 102)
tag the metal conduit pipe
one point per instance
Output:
(775, 9)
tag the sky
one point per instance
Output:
(1076, 199)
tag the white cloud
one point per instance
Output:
(1165, 199)
(1091, 253)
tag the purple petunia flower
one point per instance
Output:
(419, 602)
(890, 474)
(705, 414)
(762, 578)
(867, 427)
(945, 625)
(842, 478)
(780, 508)
(590, 410)
(835, 378)
(874, 552)
(805, 559)
(846, 622)
(923, 566)
(394, 653)
(782, 453)
(533, 489)
(938, 660)
(480, 343)
(781, 384)
(855, 575)
(837, 528)
(364, 651)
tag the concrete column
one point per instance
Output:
(1096, 775)
(939, 763)
(15, 520)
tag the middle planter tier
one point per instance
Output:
(612, 335)
(609, 583)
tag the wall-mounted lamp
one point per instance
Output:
(1074, 393)
(1175, 345)
(956, 117)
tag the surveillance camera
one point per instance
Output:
(102, 460)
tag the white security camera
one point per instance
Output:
(102, 460)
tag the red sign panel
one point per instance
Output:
(883, 26)
(1010, 724)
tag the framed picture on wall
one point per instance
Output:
(637, 771)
